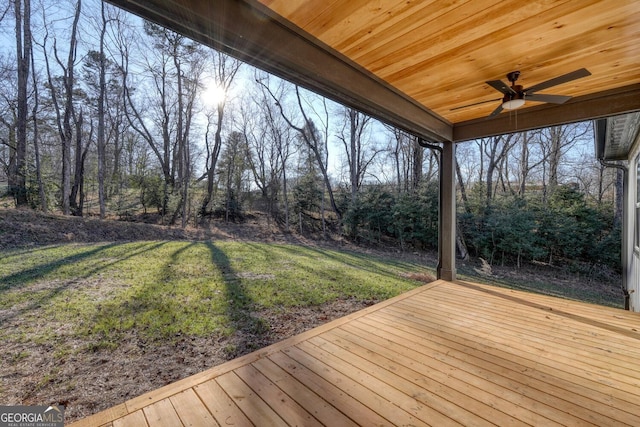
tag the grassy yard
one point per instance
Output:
(89, 325)
(85, 303)
(167, 289)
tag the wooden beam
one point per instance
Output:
(447, 232)
(616, 101)
(252, 33)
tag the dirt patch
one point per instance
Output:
(20, 228)
(87, 379)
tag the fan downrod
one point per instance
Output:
(513, 76)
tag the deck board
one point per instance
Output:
(162, 414)
(324, 412)
(539, 347)
(251, 404)
(134, 419)
(382, 392)
(288, 409)
(342, 401)
(220, 405)
(545, 349)
(191, 410)
(443, 354)
(526, 360)
(548, 330)
(531, 377)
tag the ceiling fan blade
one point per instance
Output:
(475, 103)
(496, 111)
(553, 99)
(501, 86)
(578, 74)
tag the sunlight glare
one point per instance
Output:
(214, 95)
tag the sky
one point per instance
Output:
(60, 13)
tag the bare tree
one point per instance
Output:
(462, 187)
(3, 12)
(225, 69)
(160, 144)
(232, 167)
(36, 138)
(8, 117)
(279, 133)
(115, 102)
(65, 113)
(396, 152)
(313, 140)
(77, 195)
(354, 127)
(269, 142)
(496, 149)
(101, 143)
(405, 155)
(175, 73)
(555, 142)
(525, 161)
(417, 164)
(17, 172)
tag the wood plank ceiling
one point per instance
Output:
(432, 55)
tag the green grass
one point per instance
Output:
(166, 289)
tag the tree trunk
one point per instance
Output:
(36, 143)
(357, 160)
(76, 196)
(285, 195)
(524, 164)
(314, 145)
(417, 155)
(213, 159)
(182, 141)
(554, 157)
(463, 251)
(17, 173)
(396, 157)
(463, 191)
(101, 113)
(353, 153)
(66, 129)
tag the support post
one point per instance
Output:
(447, 240)
(627, 238)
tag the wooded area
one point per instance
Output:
(102, 114)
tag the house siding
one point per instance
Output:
(631, 238)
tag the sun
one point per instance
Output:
(214, 95)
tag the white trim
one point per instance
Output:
(631, 228)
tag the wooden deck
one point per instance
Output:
(443, 354)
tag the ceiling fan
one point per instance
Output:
(515, 96)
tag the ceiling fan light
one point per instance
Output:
(513, 104)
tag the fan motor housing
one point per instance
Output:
(519, 93)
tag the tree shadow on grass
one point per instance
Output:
(364, 262)
(251, 332)
(24, 277)
(17, 253)
(156, 308)
(28, 276)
